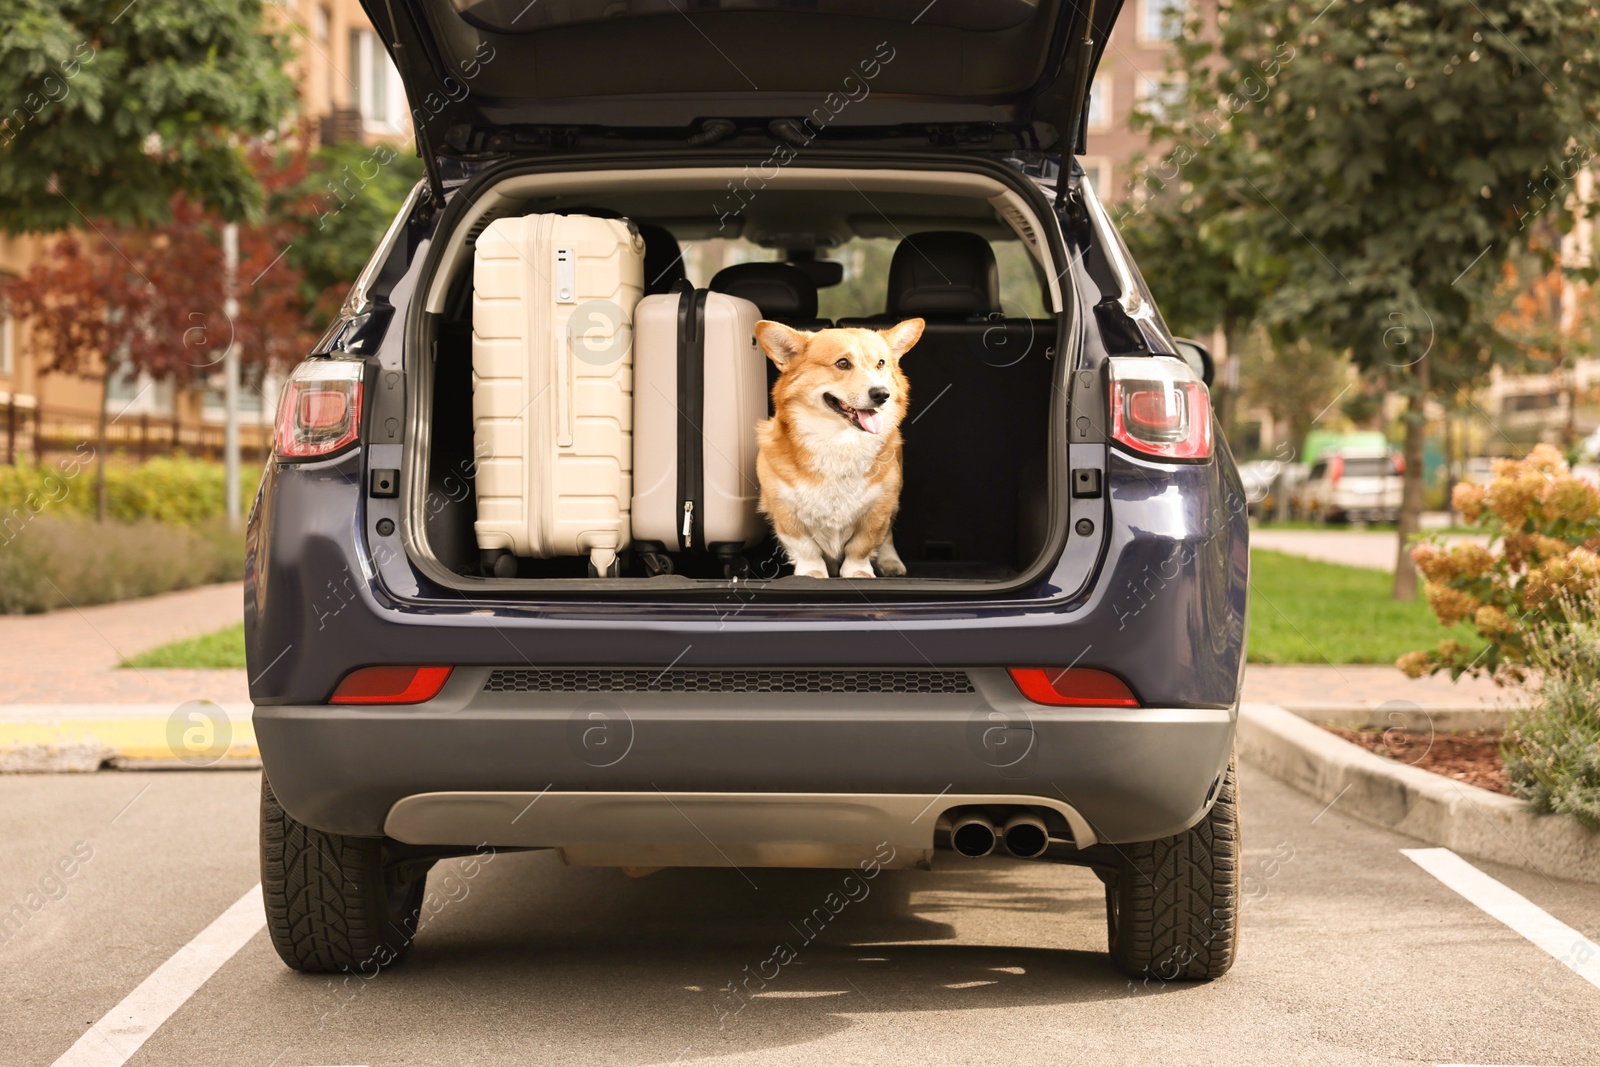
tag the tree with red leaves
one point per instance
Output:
(123, 299)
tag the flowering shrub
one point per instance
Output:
(1552, 750)
(1542, 564)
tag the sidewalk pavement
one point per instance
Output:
(71, 655)
(1354, 548)
(66, 705)
(1368, 693)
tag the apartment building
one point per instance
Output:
(1132, 70)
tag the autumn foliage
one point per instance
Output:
(1542, 559)
(153, 297)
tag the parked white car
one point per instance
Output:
(1353, 485)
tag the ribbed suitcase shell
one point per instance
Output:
(735, 399)
(553, 298)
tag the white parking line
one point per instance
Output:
(1570, 948)
(113, 1040)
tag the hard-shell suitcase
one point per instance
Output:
(700, 388)
(553, 300)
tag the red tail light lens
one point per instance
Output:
(1073, 687)
(320, 409)
(391, 685)
(1335, 469)
(1159, 408)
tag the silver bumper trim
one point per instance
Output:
(660, 829)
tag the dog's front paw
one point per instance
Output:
(892, 567)
(863, 569)
(810, 570)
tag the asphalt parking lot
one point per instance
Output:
(1352, 954)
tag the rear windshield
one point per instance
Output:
(863, 291)
(521, 16)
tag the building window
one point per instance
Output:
(1097, 172)
(319, 23)
(137, 392)
(1160, 97)
(1100, 103)
(380, 97)
(1160, 20)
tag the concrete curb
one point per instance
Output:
(79, 738)
(1471, 821)
(1445, 719)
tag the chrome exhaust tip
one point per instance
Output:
(1025, 835)
(972, 836)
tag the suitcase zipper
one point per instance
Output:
(688, 524)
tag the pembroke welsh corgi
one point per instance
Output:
(829, 457)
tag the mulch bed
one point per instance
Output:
(1470, 756)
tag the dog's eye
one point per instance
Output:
(844, 364)
(880, 364)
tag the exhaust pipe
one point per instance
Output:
(1025, 835)
(972, 835)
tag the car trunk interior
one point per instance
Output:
(976, 504)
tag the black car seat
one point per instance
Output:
(977, 431)
(663, 259)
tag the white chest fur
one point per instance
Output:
(831, 506)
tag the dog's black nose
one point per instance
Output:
(878, 394)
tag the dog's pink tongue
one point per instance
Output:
(869, 420)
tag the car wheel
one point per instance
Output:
(335, 903)
(1172, 909)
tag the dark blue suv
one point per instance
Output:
(1056, 678)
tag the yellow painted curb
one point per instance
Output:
(130, 740)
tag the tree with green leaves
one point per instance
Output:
(1372, 165)
(349, 196)
(114, 109)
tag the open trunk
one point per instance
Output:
(983, 450)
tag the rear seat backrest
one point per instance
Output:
(978, 427)
(783, 292)
(947, 274)
(663, 259)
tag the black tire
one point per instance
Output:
(335, 903)
(1172, 910)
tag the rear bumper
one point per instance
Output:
(1132, 774)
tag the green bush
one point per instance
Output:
(169, 490)
(1552, 750)
(58, 561)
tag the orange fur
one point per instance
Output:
(831, 487)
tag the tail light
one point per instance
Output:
(1335, 470)
(1160, 408)
(391, 685)
(320, 409)
(1073, 687)
(1399, 463)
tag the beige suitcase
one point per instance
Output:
(553, 300)
(700, 388)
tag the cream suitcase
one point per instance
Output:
(700, 388)
(553, 298)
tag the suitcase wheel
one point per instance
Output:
(656, 564)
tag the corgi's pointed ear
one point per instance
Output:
(902, 336)
(781, 344)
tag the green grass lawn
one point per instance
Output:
(223, 649)
(1306, 611)
(1301, 611)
